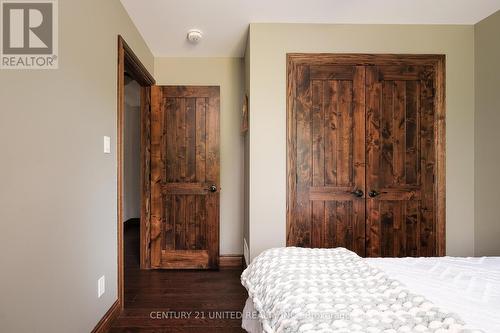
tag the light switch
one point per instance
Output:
(101, 286)
(107, 145)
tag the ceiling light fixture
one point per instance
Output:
(194, 36)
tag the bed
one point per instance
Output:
(334, 290)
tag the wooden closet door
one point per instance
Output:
(185, 177)
(326, 157)
(400, 149)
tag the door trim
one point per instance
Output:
(437, 61)
(104, 324)
(127, 60)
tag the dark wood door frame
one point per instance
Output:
(436, 61)
(129, 62)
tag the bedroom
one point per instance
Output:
(63, 228)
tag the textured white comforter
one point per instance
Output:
(467, 286)
(334, 290)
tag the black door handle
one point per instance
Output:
(358, 193)
(373, 194)
(213, 188)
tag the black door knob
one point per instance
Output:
(213, 188)
(373, 193)
(359, 193)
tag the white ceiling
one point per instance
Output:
(164, 23)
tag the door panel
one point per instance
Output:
(400, 161)
(185, 164)
(373, 123)
(145, 232)
(328, 158)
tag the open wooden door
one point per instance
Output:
(185, 177)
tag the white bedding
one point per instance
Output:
(469, 287)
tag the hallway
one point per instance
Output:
(177, 301)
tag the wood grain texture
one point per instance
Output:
(359, 59)
(405, 103)
(318, 226)
(440, 141)
(291, 150)
(212, 175)
(373, 149)
(145, 177)
(184, 259)
(427, 165)
(400, 128)
(326, 129)
(332, 72)
(128, 61)
(302, 214)
(359, 159)
(185, 164)
(231, 261)
(197, 188)
(157, 165)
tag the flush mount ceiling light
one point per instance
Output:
(194, 36)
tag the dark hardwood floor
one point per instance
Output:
(177, 301)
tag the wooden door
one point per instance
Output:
(366, 153)
(184, 177)
(401, 160)
(326, 157)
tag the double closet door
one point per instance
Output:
(365, 154)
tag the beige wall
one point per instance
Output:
(132, 152)
(269, 45)
(228, 73)
(487, 118)
(58, 197)
(58, 189)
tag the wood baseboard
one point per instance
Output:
(231, 261)
(104, 324)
